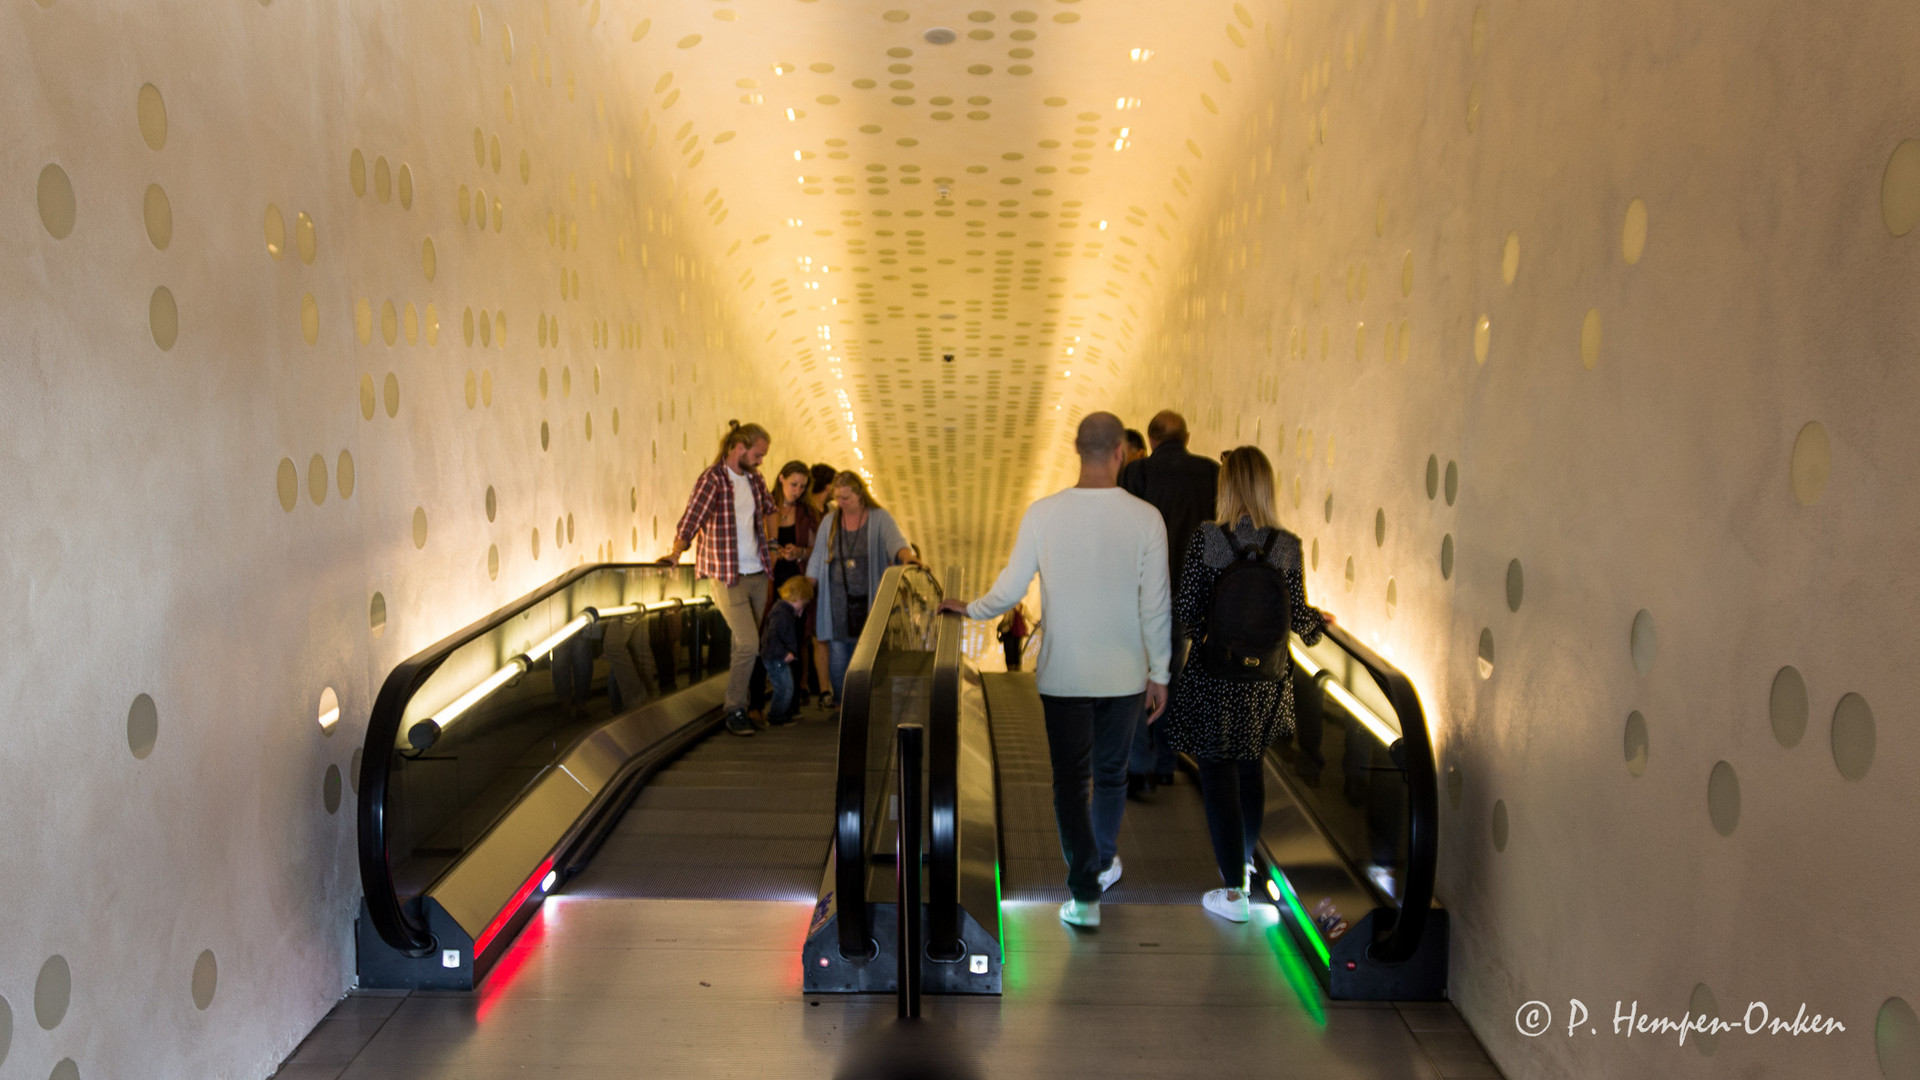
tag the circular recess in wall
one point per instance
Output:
(541, 381)
(157, 211)
(419, 527)
(473, 389)
(1349, 573)
(163, 316)
(275, 228)
(382, 179)
(317, 479)
(1900, 189)
(353, 770)
(1456, 781)
(67, 1069)
(1314, 560)
(1380, 527)
(589, 427)
(536, 545)
(369, 400)
(1787, 707)
(390, 394)
(493, 503)
(1510, 259)
(1812, 461)
(616, 421)
(1453, 482)
(493, 562)
(486, 388)
(1853, 737)
(1896, 1040)
(1329, 508)
(343, 475)
(1433, 476)
(406, 186)
(1703, 1003)
(1501, 826)
(1723, 798)
(1393, 597)
(143, 726)
(310, 319)
(328, 712)
(57, 206)
(330, 789)
(1634, 743)
(357, 172)
(940, 35)
(1642, 642)
(305, 240)
(287, 484)
(52, 992)
(1446, 557)
(206, 979)
(569, 528)
(377, 614)
(1516, 585)
(1590, 339)
(429, 258)
(1482, 339)
(1633, 232)
(151, 109)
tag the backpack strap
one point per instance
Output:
(1266, 549)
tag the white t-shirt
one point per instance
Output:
(1102, 559)
(745, 545)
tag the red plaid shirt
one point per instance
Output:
(710, 516)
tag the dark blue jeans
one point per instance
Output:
(1087, 739)
(780, 685)
(1151, 755)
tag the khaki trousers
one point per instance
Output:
(741, 605)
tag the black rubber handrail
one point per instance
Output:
(854, 918)
(944, 942)
(398, 927)
(1414, 755)
(906, 865)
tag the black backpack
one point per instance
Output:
(1248, 617)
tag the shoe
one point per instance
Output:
(1229, 904)
(1076, 913)
(758, 718)
(1110, 875)
(738, 724)
(1138, 786)
(783, 721)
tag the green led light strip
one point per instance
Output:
(1300, 917)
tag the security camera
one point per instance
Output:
(948, 357)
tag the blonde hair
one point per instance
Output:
(1246, 489)
(797, 588)
(853, 480)
(739, 434)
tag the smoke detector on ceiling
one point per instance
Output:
(941, 35)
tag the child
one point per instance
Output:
(780, 645)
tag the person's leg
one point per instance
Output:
(1070, 748)
(623, 675)
(780, 688)
(1142, 760)
(1114, 721)
(1220, 796)
(1253, 803)
(823, 667)
(839, 654)
(1011, 645)
(739, 605)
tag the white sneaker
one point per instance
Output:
(1110, 875)
(1075, 913)
(1229, 904)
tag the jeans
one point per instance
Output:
(780, 685)
(1235, 796)
(840, 651)
(1087, 739)
(741, 605)
(1151, 756)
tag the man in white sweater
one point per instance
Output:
(1102, 559)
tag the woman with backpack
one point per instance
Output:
(1241, 590)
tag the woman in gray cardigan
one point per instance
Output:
(853, 547)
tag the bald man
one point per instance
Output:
(1101, 555)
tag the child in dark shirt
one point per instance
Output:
(780, 644)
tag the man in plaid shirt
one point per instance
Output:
(726, 511)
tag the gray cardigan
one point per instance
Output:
(884, 540)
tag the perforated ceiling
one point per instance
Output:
(1012, 198)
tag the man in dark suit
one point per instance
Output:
(1182, 487)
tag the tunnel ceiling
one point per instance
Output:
(1015, 197)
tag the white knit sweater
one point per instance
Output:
(1102, 559)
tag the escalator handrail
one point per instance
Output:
(943, 940)
(1423, 799)
(854, 921)
(397, 926)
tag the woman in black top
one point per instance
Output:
(1227, 726)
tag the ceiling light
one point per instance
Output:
(940, 35)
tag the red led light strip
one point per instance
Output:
(513, 907)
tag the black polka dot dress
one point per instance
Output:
(1216, 718)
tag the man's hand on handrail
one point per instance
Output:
(953, 607)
